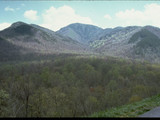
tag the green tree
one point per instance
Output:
(4, 96)
(39, 103)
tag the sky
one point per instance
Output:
(57, 14)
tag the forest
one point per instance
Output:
(74, 86)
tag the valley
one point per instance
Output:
(76, 71)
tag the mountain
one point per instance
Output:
(134, 42)
(8, 51)
(86, 34)
(82, 33)
(147, 44)
(21, 38)
(108, 31)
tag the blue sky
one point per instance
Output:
(57, 14)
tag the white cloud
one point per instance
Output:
(56, 18)
(9, 9)
(31, 15)
(108, 17)
(4, 25)
(149, 16)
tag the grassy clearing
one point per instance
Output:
(131, 110)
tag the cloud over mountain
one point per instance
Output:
(149, 16)
(56, 18)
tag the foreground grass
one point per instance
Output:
(131, 110)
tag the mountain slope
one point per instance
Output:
(8, 51)
(147, 45)
(131, 110)
(134, 42)
(82, 33)
(37, 39)
(108, 31)
(115, 43)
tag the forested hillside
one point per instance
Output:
(74, 86)
(133, 42)
(82, 33)
(29, 38)
(147, 45)
(67, 59)
(135, 109)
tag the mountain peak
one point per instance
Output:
(19, 23)
(80, 32)
(82, 25)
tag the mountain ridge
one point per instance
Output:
(80, 32)
(135, 42)
(38, 40)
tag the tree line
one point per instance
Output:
(74, 86)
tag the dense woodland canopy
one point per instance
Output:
(74, 86)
